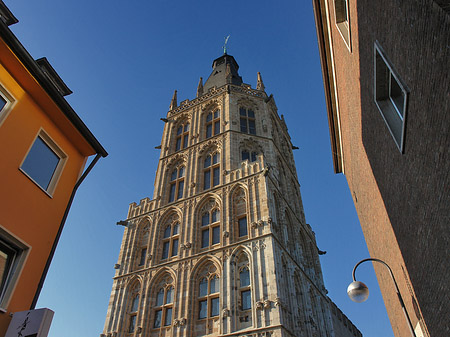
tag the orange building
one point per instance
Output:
(44, 147)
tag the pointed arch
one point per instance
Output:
(132, 304)
(168, 232)
(239, 212)
(208, 216)
(210, 118)
(142, 241)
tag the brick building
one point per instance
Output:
(223, 248)
(386, 76)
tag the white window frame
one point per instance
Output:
(16, 267)
(59, 168)
(4, 112)
(384, 74)
(342, 19)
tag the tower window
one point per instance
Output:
(182, 139)
(342, 22)
(133, 310)
(247, 121)
(242, 222)
(170, 241)
(211, 171)
(210, 229)
(208, 298)
(176, 184)
(244, 289)
(143, 255)
(212, 123)
(247, 155)
(164, 307)
(390, 96)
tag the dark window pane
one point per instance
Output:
(178, 145)
(209, 117)
(7, 257)
(165, 253)
(214, 285)
(135, 303)
(243, 226)
(132, 325)
(203, 288)
(179, 130)
(216, 235)
(208, 130)
(205, 238)
(244, 277)
(252, 127)
(158, 317)
(207, 180)
(215, 216)
(243, 125)
(216, 128)
(216, 114)
(143, 254)
(181, 172)
(2, 103)
(216, 176)
(253, 156)
(245, 155)
(214, 307)
(168, 318)
(207, 162)
(205, 219)
(246, 300)
(175, 247)
(215, 158)
(185, 141)
(160, 297)
(180, 189)
(172, 192)
(202, 309)
(169, 296)
(250, 113)
(186, 127)
(167, 232)
(242, 112)
(41, 163)
(174, 175)
(397, 95)
(176, 228)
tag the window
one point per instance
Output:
(342, 22)
(242, 222)
(134, 305)
(247, 121)
(182, 139)
(240, 214)
(211, 171)
(208, 297)
(164, 307)
(143, 256)
(212, 123)
(244, 288)
(176, 184)
(250, 156)
(2, 103)
(43, 163)
(5, 103)
(390, 96)
(12, 258)
(170, 240)
(210, 228)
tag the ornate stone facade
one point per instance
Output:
(223, 248)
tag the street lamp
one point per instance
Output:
(358, 291)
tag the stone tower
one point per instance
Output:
(223, 248)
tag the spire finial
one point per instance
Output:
(225, 45)
(200, 87)
(259, 83)
(173, 103)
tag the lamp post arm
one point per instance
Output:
(402, 303)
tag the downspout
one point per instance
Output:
(61, 226)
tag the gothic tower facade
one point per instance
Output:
(223, 248)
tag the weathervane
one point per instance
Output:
(225, 44)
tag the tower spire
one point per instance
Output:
(173, 103)
(200, 87)
(259, 83)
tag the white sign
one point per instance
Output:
(31, 323)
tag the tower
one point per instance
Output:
(223, 248)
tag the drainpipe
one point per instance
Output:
(61, 226)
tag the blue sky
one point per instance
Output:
(123, 60)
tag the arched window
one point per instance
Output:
(141, 255)
(250, 156)
(213, 123)
(163, 307)
(176, 184)
(133, 307)
(247, 121)
(211, 171)
(244, 288)
(182, 139)
(170, 240)
(243, 292)
(240, 213)
(210, 228)
(208, 297)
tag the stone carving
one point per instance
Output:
(225, 313)
(179, 322)
(185, 246)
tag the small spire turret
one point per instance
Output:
(200, 87)
(173, 103)
(259, 83)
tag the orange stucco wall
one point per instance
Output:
(26, 211)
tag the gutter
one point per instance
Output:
(61, 226)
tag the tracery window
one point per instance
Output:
(170, 240)
(208, 297)
(182, 139)
(247, 121)
(176, 184)
(210, 228)
(211, 171)
(164, 307)
(249, 155)
(240, 213)
(213, 123)
(244, 288)
(243, 291)
(133, 306)
(142, 245)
